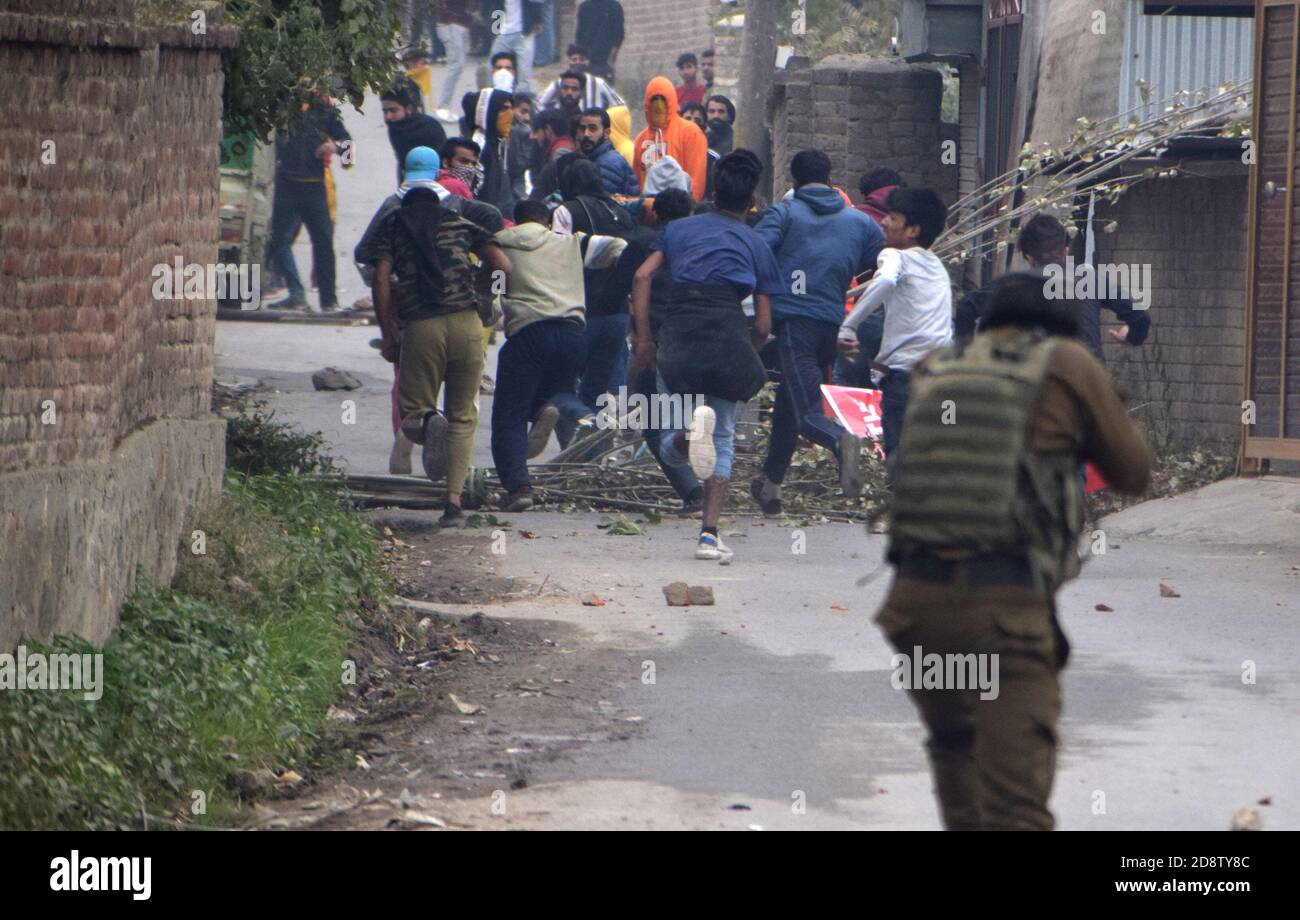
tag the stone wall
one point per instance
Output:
(1192, 231)
(864, 112)
(109, 168)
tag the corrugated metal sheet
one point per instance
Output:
(1173, 53)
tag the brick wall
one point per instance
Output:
(726, 58)
(131, 118)
(864, 112)
(656, 31)
(1188, 375)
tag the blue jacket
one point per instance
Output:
(615, 173)
(826, 242)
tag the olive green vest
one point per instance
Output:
(964, 476)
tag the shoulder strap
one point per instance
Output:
(591, 222)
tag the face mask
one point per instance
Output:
(505, 118)
(658, 113)
(472, 176)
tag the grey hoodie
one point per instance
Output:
(546, 272)
(666, 174)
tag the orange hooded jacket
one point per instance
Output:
(680, 139)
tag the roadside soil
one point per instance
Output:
(451, 709)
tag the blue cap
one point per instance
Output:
(422, 163)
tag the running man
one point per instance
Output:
(707, 353)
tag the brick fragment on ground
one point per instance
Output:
(700, 594)
(677, 594)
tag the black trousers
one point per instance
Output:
(306, 203)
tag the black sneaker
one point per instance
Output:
(452, 516)
(771, 506)
(437, 450)
(518, 500)
(291, 304)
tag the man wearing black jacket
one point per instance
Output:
(1043, 241)
(408, 127)
(600, 31)
(301, 156)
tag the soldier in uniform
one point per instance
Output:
(431, 317)
(987, 514)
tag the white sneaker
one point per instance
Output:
(699, 442)
(712, 548)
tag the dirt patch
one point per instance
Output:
(450, 706)
(447, 567)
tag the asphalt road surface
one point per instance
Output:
(779, 700)
(774, 697)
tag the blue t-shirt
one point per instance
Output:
(712, 249)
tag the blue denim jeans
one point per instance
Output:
(522, 46)
(682, 478)
(724, 435)
(605, 370)
(545, 51)
(456, 40)
(894, 391)
(302, 202)
(537, 364)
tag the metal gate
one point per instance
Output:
(1273, 274)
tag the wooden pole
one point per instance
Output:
(757, 75)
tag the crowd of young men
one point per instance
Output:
(544, 217)
(558, 172)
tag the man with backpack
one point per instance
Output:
(432, 319)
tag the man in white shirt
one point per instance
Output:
(913, 286)
(596, 93)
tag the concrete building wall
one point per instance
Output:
(969, 129)
(1188, 376)
(110, 168)
(864, 112)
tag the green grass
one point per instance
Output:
(232, 667)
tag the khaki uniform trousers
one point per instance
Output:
(440, 351)
(993, 760)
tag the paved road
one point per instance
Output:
(362, 188)
(773, 691)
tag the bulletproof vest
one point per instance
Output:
(965, 476)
